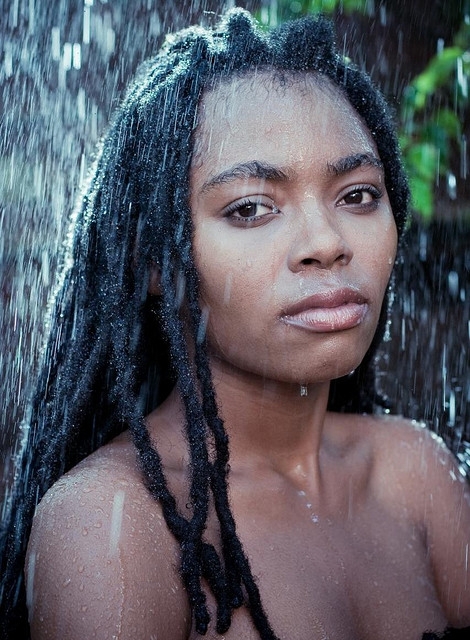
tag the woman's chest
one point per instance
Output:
(366, 579)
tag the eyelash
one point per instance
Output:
(246, 203)
(235, 207)
(375, 193)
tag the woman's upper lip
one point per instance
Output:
(325, 299)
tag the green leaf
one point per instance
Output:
(436, 74)
(422, 160)
(450, 123)
(322, 6)
(422, 197)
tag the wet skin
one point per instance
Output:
(281, 215)
(356, 527)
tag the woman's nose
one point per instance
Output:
(318, 240)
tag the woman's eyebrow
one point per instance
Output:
(354, 161)
(245, 171)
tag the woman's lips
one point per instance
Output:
(329, 311)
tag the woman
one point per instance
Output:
(228, 280)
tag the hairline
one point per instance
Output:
(273, 78)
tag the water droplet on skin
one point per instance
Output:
(116, 521)
(67, 582)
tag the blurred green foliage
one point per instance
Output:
(282, 10)
(432, 108)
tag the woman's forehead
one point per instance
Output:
(279, 114)
(223, 96)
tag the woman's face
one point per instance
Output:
(294, 235)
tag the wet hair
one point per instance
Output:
(115, 352)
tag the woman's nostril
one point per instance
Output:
(343, 259)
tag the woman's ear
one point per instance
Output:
(155, 280)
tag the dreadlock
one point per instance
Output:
(115, 352)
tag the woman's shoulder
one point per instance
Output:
(409, 467)
(421, 480)
(95, 485)
(411, 448)
(99, 547)
(393, 435)
(393, 444)
(408, 455)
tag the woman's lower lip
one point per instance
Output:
(328, 320)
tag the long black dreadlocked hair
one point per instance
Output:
(114, 352)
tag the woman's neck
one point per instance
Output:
(269, 423)
(272, 426)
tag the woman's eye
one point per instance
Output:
(356, 197)
(365, 197)
(249, 210)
